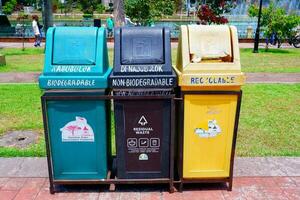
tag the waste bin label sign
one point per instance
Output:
(143, 82)
(70, 68)
(143, 144)
(77, 131)
(143, 141)
(142, 68)
(213, 130)
(143, 121)
(213, 79)
(143, 156)
(71, 83)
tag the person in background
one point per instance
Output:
(36, 30)
(110, 25)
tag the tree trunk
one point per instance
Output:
(178, 6)
(119, 15)
(47, 14)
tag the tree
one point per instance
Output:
(9, 7)
(213, 10)
(178, 5)
(119, 15)
(88, 6)
(276, 20)
(146, 12)
(47, 14)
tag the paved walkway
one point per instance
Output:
(254, 178)
(244, 166)
(30, 77)
(244, 188)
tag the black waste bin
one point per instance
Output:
(142, 83)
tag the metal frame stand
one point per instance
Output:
(111, 179)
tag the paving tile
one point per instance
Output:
(257, 166)
(292, 193)
(3, 181)
(253, 192)
(27, 194)
(46, 184)
(239, 182)
(10, 166)
(289, 165)
(7, 194)
(203, 195)
(173, 196)
(129, 195)
(284, 182)
(265, 182)
(27, 169)
(150, 195)
(14, 184)
(76, 196)
(109, 196)
(44, 194)
(296, 179)
(235, 194)
(274, 194)
(34, 183)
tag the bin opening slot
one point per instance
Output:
(210, 46)
(142, 46)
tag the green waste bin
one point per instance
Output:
(74, 108)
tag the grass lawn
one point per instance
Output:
(275, 60)
(269, 123)
(21, 110)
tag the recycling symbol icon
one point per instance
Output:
(143, 121)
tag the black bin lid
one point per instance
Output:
(142, 58)
(142, 47)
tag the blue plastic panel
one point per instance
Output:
(74, 46)
(77, 134)
(75, 58)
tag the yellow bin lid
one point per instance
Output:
(208, 55)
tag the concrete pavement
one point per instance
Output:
(254, 178)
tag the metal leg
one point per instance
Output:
(172, 189)
(52, 189)
(230, 185)
(181, 187)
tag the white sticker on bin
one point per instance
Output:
(213, 130)
(77, 131)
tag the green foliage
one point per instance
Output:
(88, 6)
(28, 2)
(87, 15)
(9, 7)
(221, 7)
(22, 16)
(100, 8)
(146, 12)
(275, 20)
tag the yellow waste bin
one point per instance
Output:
(210, 79)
